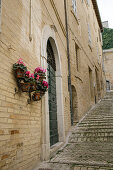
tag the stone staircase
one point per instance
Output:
(97, 125)
(90, 144)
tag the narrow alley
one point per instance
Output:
(90, 144)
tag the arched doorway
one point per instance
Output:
(48, 33)
(74, 105)
(52, 98)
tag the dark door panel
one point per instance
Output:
(52, 96)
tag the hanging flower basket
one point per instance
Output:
(42, 93)
(19, 73)
(36, 96)
(30, 82)
(33, 87)
(39, 74)
(19, 69)
(41, 78)
(25, 87)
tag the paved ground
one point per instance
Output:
(90, 145)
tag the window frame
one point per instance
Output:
(74, 7)
(77, 52)
(88, 2)
(89, 35)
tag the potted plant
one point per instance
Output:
(29, 83)
(37, 94)
(41, 88)
(39, 71)
(44, 87)
(19, 68)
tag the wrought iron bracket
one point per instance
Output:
(16, 91)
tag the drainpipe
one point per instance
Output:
(69, 68)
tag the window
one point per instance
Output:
(100, 36)
(0, 15)
(74, 6)
(88, 2)
(91, 82)
(89, 35)
(98, 55)
(77, 50)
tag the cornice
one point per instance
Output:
(94, 2)
(58, 17)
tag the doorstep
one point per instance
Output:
(54, 148)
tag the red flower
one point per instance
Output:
(45, 83)
(27, 73)
(38, 77)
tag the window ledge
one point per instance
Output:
(76, 18)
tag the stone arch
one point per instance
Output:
(48, 33)
(74, 105)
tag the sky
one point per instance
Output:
(106, 11)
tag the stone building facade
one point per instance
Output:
(108, 68)
(29, 29)
(107, 36)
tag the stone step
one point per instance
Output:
(101, 118)
(95, 134)
(102, 110)
(91, 139)
(88, 123)
(96, 126)
(103, 138)
(100, 113)
(97, 121)
(94, 130)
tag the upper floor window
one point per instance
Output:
(89, 35)
(0, 15)
(88, 2)
(98, 54)
(74, 6)
(100, 36)
(77, 51)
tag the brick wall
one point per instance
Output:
(20, 123)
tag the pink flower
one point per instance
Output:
(40, 69)
(20, 61)
(27, 73)
(32, 75)
(45, 83)
(44, 70)
(38, 77)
